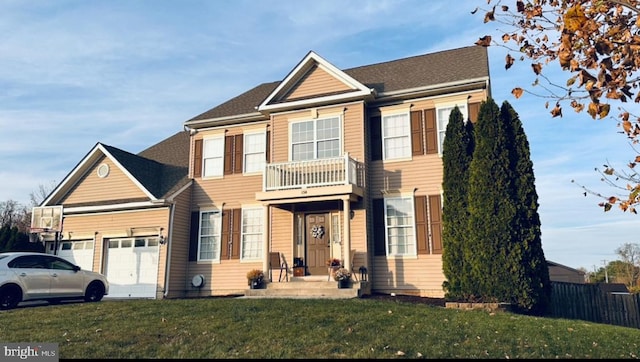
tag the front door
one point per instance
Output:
(318, 244)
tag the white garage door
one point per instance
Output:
(79, 252)
(132, 267)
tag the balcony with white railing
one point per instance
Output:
(324, 176)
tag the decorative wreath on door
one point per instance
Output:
(317, 231)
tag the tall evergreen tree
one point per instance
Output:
(532, 287)
(457, 153)
(492, 210)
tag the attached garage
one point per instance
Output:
(78, 252)
(132, 267)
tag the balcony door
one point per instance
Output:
(318, 243)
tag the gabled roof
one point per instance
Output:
(388, 79)
(310, 62)
(158, 171)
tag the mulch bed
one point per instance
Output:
(439, 302)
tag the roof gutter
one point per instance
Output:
(202, 123)
(441, 87)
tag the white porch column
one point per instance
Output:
(266, 235)
(346, 222)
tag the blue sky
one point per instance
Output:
(129, 74)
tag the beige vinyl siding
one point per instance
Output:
(316, 82)
(229, 277)
(116, 186)
(282, 233)
(236, 189)
(179, 282)
(353, 131)
(359, 240)
(423, 172)
(422, 277)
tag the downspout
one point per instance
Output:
(169, 246)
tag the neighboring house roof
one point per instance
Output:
(551, 263)
(613, 287)
(413, 73)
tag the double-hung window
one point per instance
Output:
(399, 224)
(443, 113)
(255, 147)
(210, 234)
(213, 156)
(319, 138)
(252, 233)
(396, 136)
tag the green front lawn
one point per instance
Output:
(305, 328)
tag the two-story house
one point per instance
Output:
(326, 163)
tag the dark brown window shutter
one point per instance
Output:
(228, 155)
(422, 236)
(431, 130)
(226, 233)
(474, 109)
(239, 153)
(376, 138)
(435, 213)
(379, 239)
(236, 225)
(268, 150)
(417, 147)
(197, 159)
(193, 236)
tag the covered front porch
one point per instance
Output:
(311, 210)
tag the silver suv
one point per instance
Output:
(27, 276)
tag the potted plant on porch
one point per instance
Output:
(255, 278)
(343, 277)
(333, 264)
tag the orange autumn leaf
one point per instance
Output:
(604, 110)
(556, 111)
(509, 61)
(574, 19)
(485, 41)
(537, 68)
(517, 92)
(489, 16)
(592, 110)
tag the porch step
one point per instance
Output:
(309, 287)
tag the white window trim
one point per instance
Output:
(414, 252)
(464, 109)
(383, 115)
(219, 212)
(204, 159)
(261, 242)
(262, 132)
(315, 140)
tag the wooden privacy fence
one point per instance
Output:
(589, 302)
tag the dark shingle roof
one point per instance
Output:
(407, 73)
(161, 168)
